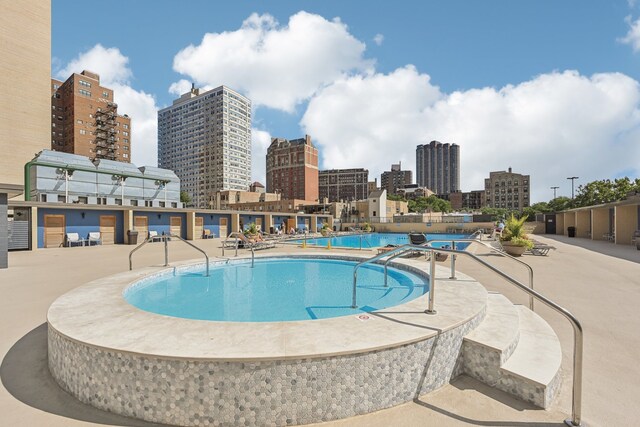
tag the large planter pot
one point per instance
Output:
(324, 231)
(513, 250)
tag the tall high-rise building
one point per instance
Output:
(292, 168)
(438, 167)
(205, 138)
(85, 120)
(343, 184)
(395, 179)
(25, 70)
(508, 190)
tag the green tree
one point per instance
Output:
(431, 203)
(185, 198)
(559, 204)
(605, 191)
(396, 198)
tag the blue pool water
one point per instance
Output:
(276, 289)
(376, 240)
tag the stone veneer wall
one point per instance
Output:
(281, 392)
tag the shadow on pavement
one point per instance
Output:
(464, 382)
(25, 374)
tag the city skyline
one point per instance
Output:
(528, 92)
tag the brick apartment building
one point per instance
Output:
(85, 120)
(508, 190)
(343, 184)
(395, 179)
(292, 168)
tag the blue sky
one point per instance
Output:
(487, 76)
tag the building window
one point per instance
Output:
(83, 83)
(83, 132)
(126, 126)
(125, 155)
(85, 93)
(79, 121)
(105, 94)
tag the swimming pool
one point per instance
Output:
(275, 289)
(376, 240)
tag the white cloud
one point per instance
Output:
(378, 39)
(633, 35)
(180, 87)
(275, 66)
(553, 126)
(112, 66)
(260, 141)
(110, 63)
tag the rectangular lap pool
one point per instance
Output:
(376, 240)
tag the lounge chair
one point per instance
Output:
(207, 234)
(94, 237)
(255, 245)
(74, 238)
(417, 238)
(540, 248)
(154, 236)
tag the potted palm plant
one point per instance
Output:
(514, 240)
(366, 227)
(251, 230)
(325, 229)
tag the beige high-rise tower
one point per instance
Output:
(25, 70)
(85, 120)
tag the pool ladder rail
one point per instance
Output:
(578, 339)
(165, 238)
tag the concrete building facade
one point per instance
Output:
(233, 199)
(508, 190)
(205, 138)
(85, 119)
(438, 167)
(395, 179)
(292, 168)
(25, 70)
(343, 184)
(473, 200)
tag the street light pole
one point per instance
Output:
(572, 178)
(554, 191)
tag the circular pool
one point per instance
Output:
(181, 371)
(274, 290)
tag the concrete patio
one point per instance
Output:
(597, 281)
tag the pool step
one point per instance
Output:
(516, 351)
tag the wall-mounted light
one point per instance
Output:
(159, 216)
(82, 214)
(211, 216)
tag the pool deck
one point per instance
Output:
(598, 281)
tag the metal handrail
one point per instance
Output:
(237, 233)
(206, 257)
(165, 238)
(138, 247)
(496, 250)
(578, 338)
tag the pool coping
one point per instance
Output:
(96, 314)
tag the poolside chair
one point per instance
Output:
(417, 238)
(154, 236)
(95, 237)
(540, 249)
(74, 238)
(207, 234)
(255, 245)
